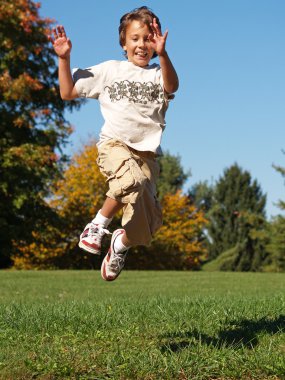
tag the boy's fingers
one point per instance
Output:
(54, 31)
(63, 31)
(153, 27)
(156, 27)
(58, 32)
(150, 37)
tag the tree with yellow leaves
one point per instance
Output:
(76, 199)
(178, 244)
(182, 228)
(32, 124)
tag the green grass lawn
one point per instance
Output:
(145, 325)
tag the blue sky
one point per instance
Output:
(230, 58)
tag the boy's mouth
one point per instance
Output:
(141, 54)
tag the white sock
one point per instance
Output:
(101, 219)
(119, 246)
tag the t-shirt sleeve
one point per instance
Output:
(89, 82)
(167, 96)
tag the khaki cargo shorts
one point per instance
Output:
(132, 177)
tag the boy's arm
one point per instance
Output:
(66, 84)
(170, 78)
(62, 46)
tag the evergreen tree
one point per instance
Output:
(281, 170)
(201, 194)
(237, 222)
(276, 246)
(33, 127)
(172, 176)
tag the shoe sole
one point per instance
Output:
(103, 266)
(88, 249)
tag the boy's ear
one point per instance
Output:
(125, 48)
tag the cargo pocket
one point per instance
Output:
(128, 182)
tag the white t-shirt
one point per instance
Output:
(132, 100)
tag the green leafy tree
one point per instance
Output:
(276, 246)
(275, 261)
(177, 244)
(237, 222)
(172, 176)
(281, 170)
(201, 194)
(77, 197)
(32, 128)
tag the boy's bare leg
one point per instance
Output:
(109, 209)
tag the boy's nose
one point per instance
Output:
(141, 43)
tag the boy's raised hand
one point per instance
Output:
(157, 40)
(61, 44)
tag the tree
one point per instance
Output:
(250, 252)
(276, 246)
(281, 170)
(201, 194)
(237, 222)
(76, 199)
(33, 126)
(177, 244)
(172, 176)
(179, 237)
(275, 261)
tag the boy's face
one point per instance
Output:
(137, 45)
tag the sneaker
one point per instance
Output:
(91, 237)
(113, 262)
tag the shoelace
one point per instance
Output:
(93, 231)
(118, 260)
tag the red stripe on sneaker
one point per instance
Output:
(108, 255)
(106, 278)
(95, 246)
(85, 233)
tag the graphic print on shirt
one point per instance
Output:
(137, 92)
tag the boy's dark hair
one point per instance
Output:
(142, 14)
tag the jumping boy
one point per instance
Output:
(133, 97)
